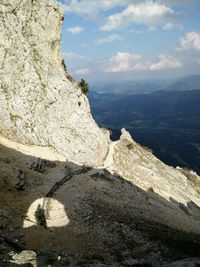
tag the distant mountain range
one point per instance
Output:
(190, 82)
(167, 121)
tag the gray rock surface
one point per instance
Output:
(93, 217)
(193, 262)
(39, 105)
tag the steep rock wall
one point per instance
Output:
(38, 104)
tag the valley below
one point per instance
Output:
(167, 122)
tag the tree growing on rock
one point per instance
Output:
(84, 86)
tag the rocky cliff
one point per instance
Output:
(68, 193)
(38, 103)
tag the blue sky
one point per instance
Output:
(131, 39)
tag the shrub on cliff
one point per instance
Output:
(84, 86)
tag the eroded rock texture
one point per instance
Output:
(70, 215)
(39, 105)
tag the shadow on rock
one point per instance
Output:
(71, 215)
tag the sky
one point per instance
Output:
(115, 40)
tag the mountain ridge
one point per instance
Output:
(189, 82)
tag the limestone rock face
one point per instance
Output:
(39, 105)
(138, 165)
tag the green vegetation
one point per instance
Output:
(69, 77)
(84, 86)
(129, 146)
(64, 65)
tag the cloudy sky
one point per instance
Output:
(131, 39)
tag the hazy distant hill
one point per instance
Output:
(191, 82)
(167, 122)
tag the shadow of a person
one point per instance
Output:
(40, 216)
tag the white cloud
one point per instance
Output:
(149, 13)
(181, 2)
(152, 13)
(83, 71)
(136, 31)
(91, 8)
(84, 45)
(169, 26)
(71, 55)
(124, 61)
(108, 39)
(151, 28)
(166, 62)
(75, 30)
(191, 41)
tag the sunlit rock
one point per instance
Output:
(25, 257)
(39, 105)
(46, 212)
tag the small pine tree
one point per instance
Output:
(64, 65)
(84, 86)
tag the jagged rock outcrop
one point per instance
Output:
(138, 165)
(39, 105)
